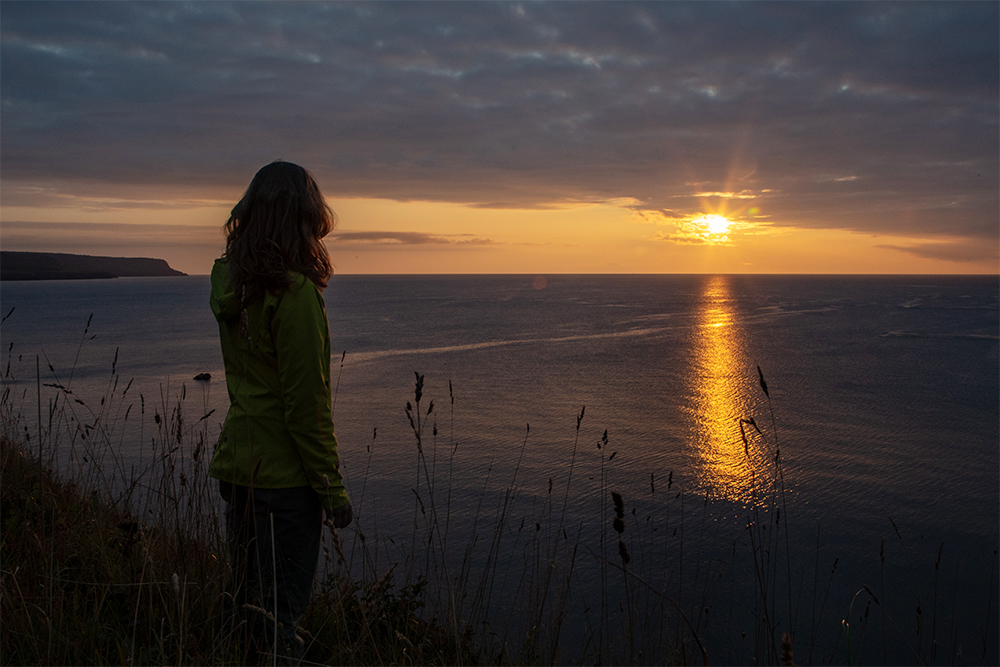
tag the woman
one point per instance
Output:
(276, 460)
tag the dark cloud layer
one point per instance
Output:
(873, 116)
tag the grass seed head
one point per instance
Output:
(763, 384)
(623, 552)
(418, 390)
(616, 498)
(787, 656)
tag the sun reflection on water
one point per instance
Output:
(722, 396)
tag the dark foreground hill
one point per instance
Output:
(62, 266)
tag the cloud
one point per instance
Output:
(406, 238)
(682, 239)
(742, 194)
(953, 251)
(874, 117)
(119, 198)
(31, 236)
(394, 238)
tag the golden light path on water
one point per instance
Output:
(722, 396)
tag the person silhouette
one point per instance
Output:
(276, 460)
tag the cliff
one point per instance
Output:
(61, 266)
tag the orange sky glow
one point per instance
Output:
(501, 137)
(436, 237)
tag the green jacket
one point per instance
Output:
(279, 430)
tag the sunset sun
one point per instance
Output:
(716, 224)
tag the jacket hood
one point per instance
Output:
(225, 304)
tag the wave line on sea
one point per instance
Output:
(364, 357)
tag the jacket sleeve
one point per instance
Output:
(302, 346)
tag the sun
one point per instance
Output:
(715, 223)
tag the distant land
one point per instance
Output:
(62, 266)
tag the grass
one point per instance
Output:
(106, 561)
(111, 560)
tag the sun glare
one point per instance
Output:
(716, 224)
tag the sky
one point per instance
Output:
(514, 137)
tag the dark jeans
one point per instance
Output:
(287, 523)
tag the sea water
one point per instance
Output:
(883, 400)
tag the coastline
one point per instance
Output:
(16, 266)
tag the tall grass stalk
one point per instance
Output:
(113, 551)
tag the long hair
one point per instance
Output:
(278, 226)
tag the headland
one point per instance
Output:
(64, 266)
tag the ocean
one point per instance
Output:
(883, 400)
